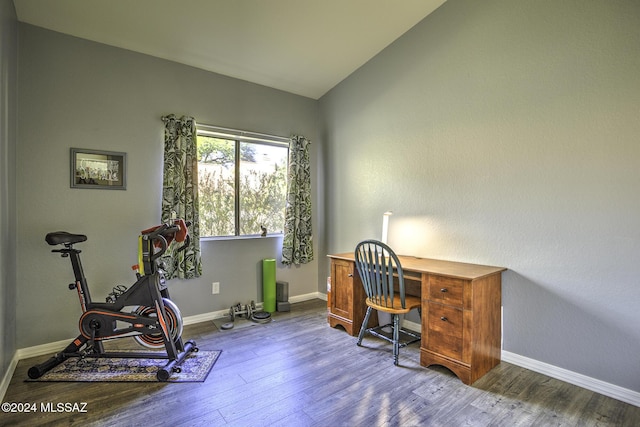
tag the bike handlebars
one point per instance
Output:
(160, 236)
(164, 234)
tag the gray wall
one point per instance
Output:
(506, 133)
(503, 133)
(77, 93)
(8, 68)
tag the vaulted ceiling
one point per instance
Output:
(304, 47)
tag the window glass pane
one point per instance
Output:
(263, 186)
(216, 180)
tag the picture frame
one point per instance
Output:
(98, 169)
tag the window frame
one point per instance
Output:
(240, 136)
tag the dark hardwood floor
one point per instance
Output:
(297, 371)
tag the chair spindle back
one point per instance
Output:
(378, 267)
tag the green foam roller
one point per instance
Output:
(269, 285)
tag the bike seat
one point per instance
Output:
(60, 237)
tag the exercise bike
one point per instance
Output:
(154, 321)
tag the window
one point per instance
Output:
(242, 178)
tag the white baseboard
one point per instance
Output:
(616, 392)
(4, 385)
(205, 317)
(412, 326)
(307, 297)
(54, 347)
(606, 389)
(42, 349)
(212, 315)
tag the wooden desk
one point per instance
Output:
(461, 310)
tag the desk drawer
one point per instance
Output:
(446, 290)
(445, 335)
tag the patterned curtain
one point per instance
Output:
(180, 193)
(297, 245)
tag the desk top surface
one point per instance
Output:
(455, 269)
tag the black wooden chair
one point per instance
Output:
(383, 280)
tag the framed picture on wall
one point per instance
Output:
(98, 169)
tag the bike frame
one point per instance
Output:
(99, 321)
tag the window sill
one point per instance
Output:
(251, 237)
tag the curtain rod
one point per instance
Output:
(242, 133)
(229, 132)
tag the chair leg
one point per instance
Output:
(363, 328)
(396, 338)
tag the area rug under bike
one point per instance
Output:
(195, 368)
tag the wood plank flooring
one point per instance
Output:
(297, 371)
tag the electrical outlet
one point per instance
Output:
(215, 288)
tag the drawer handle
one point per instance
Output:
(350, 274)
(443, 290)
(444, 319)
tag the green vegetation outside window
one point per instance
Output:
(242, 183)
